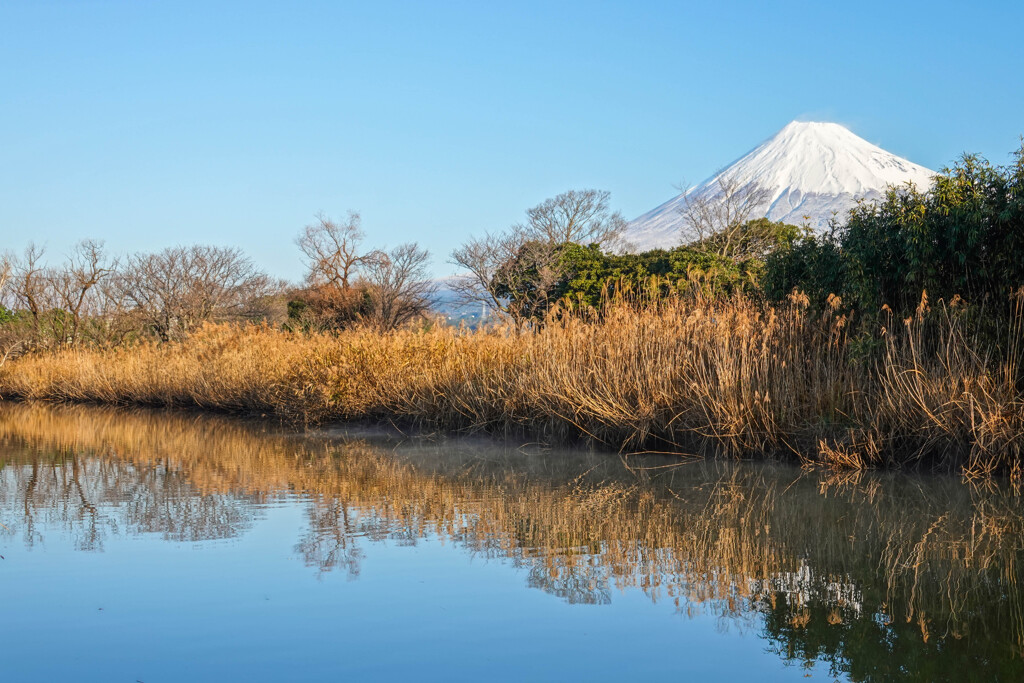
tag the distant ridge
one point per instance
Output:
(807, 169)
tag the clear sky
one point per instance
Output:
(150, 124)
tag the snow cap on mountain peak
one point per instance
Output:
(821, 157)
(809, 168)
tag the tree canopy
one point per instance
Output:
(962, 237)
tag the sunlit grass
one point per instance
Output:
(689, 376)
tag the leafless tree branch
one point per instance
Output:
(490, 262)
(719, 211)
(399, 285)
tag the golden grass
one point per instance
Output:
(689, 376)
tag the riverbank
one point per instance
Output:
(687, 377)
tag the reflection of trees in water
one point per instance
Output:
(91, 497)
(881, 576)
(926, 587)
(332, 539)
(562, 579)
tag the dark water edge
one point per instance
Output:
(142, 545)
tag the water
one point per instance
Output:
(166, 547)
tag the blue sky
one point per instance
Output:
(149, 124)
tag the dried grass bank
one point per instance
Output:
(688, 376)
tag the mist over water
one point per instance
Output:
(168, 546)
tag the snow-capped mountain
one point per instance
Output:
(807, 169)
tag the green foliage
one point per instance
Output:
(297, 309)
(541, 274)
(588, 270)
(530, 281)
(812, 264)
(584, 275)
(754, 239)
(964, 237)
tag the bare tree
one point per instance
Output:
(529, 282)
(337, 294)
(74, 285)
(5, 273)
(512, 271)
(580, 216)
(176, 290)
(399, 285)
(31, 288)
(482, 258)
(508, 273)
(115, 316)
(718, 213)
(332, 250)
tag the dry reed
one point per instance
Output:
(687, 376)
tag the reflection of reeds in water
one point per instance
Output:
(836, 554)
(686, 376)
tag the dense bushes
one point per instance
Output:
(587, 272)
(962, 238)
(540, 275)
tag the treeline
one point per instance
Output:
(572, 253)
(93, 297)
(753, 338)
(961, 239)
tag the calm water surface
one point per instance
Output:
(167, 547)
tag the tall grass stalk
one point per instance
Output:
(693, 376)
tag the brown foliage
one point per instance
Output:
(385, 289)
(683, 376)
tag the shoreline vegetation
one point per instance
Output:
(894, 339)
(690, 376)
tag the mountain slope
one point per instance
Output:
(807, 169)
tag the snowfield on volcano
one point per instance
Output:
(808, 169)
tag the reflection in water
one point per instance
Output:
(78, 494)
(881, 576)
